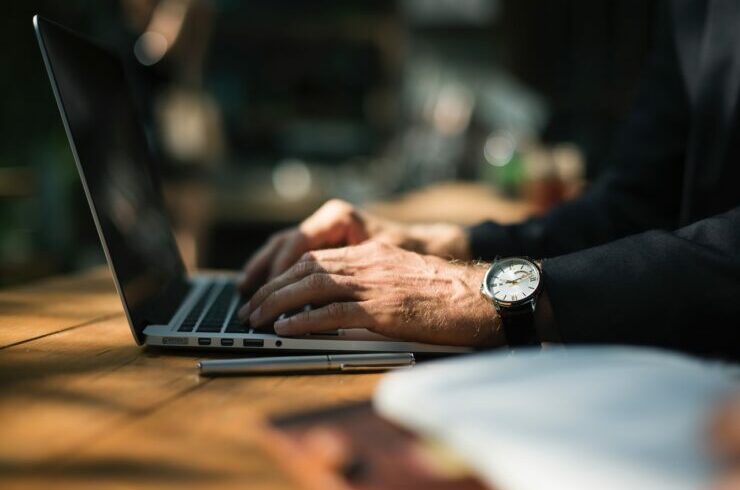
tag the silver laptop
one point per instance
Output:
(163, 305)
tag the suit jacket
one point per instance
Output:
(650, 254)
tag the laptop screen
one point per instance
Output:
(118, 174)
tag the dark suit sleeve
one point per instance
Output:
(641, 191)
(676, 289)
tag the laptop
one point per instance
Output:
(163, 304)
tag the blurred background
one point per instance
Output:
(261, 110)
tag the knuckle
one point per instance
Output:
(339, 206)
(304, 268)
(258, 296)
(336, 309)
(304, 317)
(307, 257)
(352, 287)
(316, 281)
(270, 301)
(337, 203)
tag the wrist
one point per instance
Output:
(482, 312)
(514, 286)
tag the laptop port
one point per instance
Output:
(227, 342)
(332, 333)
(204, 341)
(254, 343)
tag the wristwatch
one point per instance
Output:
(513, 286)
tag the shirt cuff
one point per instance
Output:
(587, 304)
(563, 278)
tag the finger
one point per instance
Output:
(316, 289)
(329, 317)
(329, 227)
(300, 269)
(338, 261)
(331, 224)
(291, 250)
(334, 261)
(256, 268)
(344, 256)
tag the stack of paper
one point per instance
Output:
(578, 418)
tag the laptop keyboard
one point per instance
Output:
(208, 314)
(188, 324)
(235, 325)
(216, 315)
(210, 319)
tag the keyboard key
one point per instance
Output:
(266, 329)
(237, 328)
(193, 315)
(214, 318)
(234, 324)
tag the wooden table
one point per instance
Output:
(82, 406)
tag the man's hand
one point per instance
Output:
(383, 288)
(337, 224)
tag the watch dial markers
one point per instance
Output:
(513, 280)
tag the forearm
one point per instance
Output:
(609, 210)
(643, 190)
(676, 290)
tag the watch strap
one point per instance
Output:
(519, 326)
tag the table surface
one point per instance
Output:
(82, 406)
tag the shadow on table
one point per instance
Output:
(119, 469)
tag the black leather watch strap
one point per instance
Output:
(519, 326)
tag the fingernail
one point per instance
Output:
(243, 313)
(281, 327)
(255, 315)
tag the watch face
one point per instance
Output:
(513, 280)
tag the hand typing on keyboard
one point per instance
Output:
(291, 313)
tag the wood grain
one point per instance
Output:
(83, 407)
(54, 304)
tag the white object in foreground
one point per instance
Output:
(578, 418)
